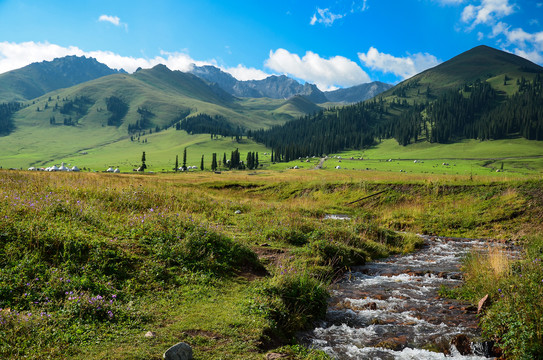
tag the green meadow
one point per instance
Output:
(233, 264)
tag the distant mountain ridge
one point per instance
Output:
(37, 79)
(283, 87)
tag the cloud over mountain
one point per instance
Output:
(403, 67)
(327, 74)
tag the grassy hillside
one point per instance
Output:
(481, 62)
(166, 96)
(37, 79)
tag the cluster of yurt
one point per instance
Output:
(62, 167)
(111, 170)
(188, 168)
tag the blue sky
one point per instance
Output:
(332, 43)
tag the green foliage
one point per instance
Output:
(337, 254)
(295, 300)
(6, 114)
(118, 109)
(515, 318)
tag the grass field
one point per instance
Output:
(232, 264)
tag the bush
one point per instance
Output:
(208, 251)
(295, 301)
(337, 254)
(515, 319)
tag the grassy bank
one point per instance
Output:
(233, 264)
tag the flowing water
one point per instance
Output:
(390, 309)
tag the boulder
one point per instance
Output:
(462, 343)
(274, 356)
(180, 351)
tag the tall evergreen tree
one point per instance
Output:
(185, 159)
(202, 163)
(176, 163)
(143, 165)
(214, 162)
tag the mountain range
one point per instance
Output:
(40, 78)
(283, 87)
(70, 106)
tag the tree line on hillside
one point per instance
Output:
(118, 109)
(6, 116)
(477, 111)
(206, 124)
(324, 132)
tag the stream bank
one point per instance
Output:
(390, 309)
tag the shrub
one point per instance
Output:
(295, 301)
(515, 319)
(207, 251)
(337, 254)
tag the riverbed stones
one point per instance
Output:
(180, 351)
(396, 343)
(274, 356)
(462, 343)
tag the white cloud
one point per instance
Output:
(533, 56)
(325, 16)
(115, 20)
(487, 13)
(242, 73)
(111, 19)
(403, 67)
(17, 55)
(325, 73)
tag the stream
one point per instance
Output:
(390, 309)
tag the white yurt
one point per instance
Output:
(110, 169)
(75, 168)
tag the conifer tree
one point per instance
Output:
(143, 166)
(202, 163)
(214, 162)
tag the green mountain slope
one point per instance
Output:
(37, 79)
(482, 62)
(483, 94)
(81, 118)
(299, 104)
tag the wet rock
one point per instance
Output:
(483, 303)
(371, 306)
(462, 344)
(395, 343)
(273, 356)
(180, 351)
